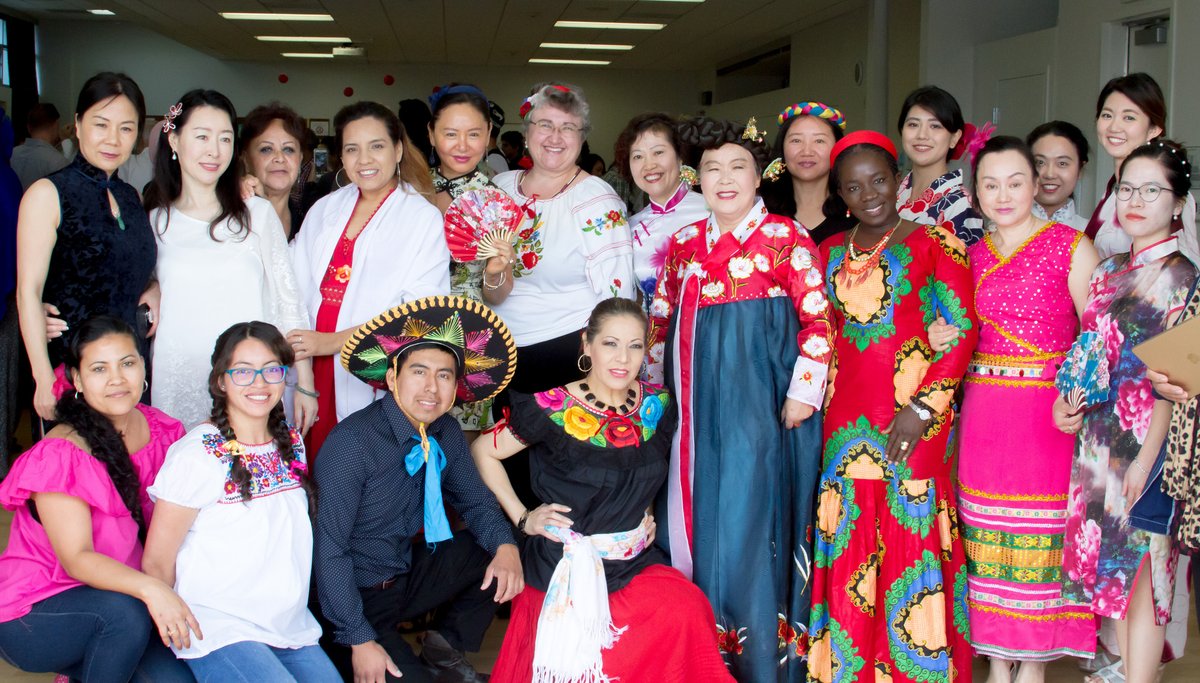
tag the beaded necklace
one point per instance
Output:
(852, 273)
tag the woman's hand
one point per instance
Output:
(152, 297)
(250, 187)
(794, 412)
(941, 334)
(54, 326)
(1162, 385)
(1135, 481)
(1067, 420)
(309, 343)
(548, 514)
(304, 411)
(904, 433)
(504, 259)
(44, 402)
(172, 615)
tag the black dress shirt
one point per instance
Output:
(369, 507)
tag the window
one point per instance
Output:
(4, 53)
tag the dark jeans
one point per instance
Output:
(446, 579)
(91, 635)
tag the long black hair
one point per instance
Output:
(108, 85)
(103, 440)
(168, 178)
(281, 433)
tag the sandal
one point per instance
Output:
(1102, 659)
(1109, 674)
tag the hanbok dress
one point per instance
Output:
(890, 585)
(1014, 464)
(743, 322)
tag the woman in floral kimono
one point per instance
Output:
(741, 313)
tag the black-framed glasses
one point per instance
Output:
(244, 377)
(1148, 192)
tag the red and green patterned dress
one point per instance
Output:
(889, 584)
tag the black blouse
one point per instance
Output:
(97, 266)
(607, 468)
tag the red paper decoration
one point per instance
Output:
(348, 91)
(389, 79)
(283, 78)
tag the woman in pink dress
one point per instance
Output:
(1031, 279)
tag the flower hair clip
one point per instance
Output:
(752, 132)
(971, 141)
(773, 170)
(689, 175)
(233, 448)
(527, 105)
(298, 470)
(175, 110)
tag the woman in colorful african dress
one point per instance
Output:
(1013, 516)
(1112, 558)
(933, 133)
(741, 313)
(889, 584)
(598, 450)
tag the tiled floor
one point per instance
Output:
(1185, 670)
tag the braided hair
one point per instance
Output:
(281, 433)
(103, 440)
(702, 134)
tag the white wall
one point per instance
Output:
(74, 51)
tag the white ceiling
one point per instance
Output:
(471, 32)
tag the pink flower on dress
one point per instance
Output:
(552, 399)
(1082, 556)
(659, 257)
(1110, 598)
(1114, 339)
(1135, 402)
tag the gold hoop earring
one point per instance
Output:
(579, 363)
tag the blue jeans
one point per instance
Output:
(253, 662)
(90, 635)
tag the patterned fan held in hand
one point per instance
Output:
(477, 221)
(1083, 378)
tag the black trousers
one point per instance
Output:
(446, 579)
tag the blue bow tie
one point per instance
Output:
(429, 452)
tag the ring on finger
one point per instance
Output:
(904, 445)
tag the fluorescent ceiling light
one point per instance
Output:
(627, 25)
(586, 46)
(274, 16)
(696, 1)
(304, 39)
(585, 62)
(308, 55)
(102, 12)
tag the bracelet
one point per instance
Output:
(498, 285)
(306, 392)
(521, 522)
(1141, 467)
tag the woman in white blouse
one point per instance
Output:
(371, 245)
(573, 247)
(221, 259)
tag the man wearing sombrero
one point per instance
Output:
(382, 474)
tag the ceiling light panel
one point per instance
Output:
(274, 16)
(614, 25)
(308, 55)
(587, 46)
(304, 39)
(581, 62)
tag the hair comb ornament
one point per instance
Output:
(773, 170)
(175, 110)
(752, 132)
(817, 109)
(689, 175)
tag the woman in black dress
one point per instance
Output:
(598, 450)
(84, 244)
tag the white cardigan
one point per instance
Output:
(400, 255)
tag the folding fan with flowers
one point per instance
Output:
(478, 220)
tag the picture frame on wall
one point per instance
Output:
(319, 126)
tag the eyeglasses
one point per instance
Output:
(244, 377)
(1148, 192)
(567, 130)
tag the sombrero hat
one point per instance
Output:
(486, 352)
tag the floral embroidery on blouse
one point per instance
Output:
(268, 474)
(529, 247)
(605, 429)
(609, 221)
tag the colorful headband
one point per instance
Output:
(439, 92)
(527, 105)
(817, 109)
(169, 121)
(862, 137)
(752, 132)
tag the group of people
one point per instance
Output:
(762, 431)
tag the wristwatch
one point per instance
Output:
(921, 410)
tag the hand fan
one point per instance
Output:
(1083, 377)
(477, 221)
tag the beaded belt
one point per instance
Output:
(985, 367)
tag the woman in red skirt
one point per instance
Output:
(599, 603)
